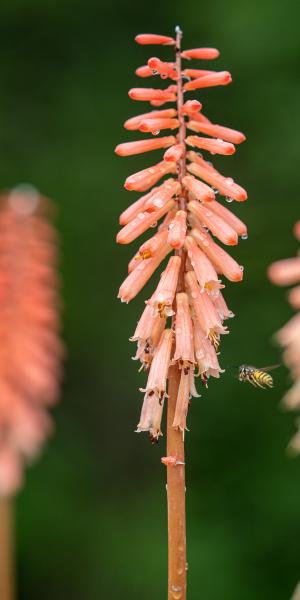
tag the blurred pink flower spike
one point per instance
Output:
(31, 349)
(287, 272)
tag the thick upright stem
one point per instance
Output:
(6, 550)
(176, 498)
(175, 441)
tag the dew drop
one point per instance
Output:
(229, 181)
(141, 216)
(215, 191)
(241, 267)
(228, 199)
(158, 202)
(153, 225)
(244, 237)
(156, 132)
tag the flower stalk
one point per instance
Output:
(6, 550)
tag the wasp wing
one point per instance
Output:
(270, 368)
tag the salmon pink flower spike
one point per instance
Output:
(287, 272)
(185, 314)
(182, 323)
(201, 53)
(153, 38)
(31, 348)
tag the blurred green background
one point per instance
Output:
(91, 521)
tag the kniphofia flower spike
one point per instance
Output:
(194, 220)
(287, 272)
(30, 347)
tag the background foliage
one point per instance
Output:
(91, 519)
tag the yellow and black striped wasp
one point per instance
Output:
(259, 377)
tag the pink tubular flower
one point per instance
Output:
(184, 317)
(143, 71)
(31, 350)
(163, 297)
(287, 272)
(139, 276)
(213, 146)
(164, 69)
(205, 354)
(153, 38)
(182, 403)
(156, 386)
(191, 107)
(204, 310)
(141, 146)
(175, 153)
(195, 73)
(184, 350)
(204, 270)
(155, 125)
(198, 189)
(219, 258)
(134, 123)
(225, 185)
(141, 223)
(220, 228)
(151, 94)
(177, 230)
(225, 133)
(143, 180)
(205, 81)
(202, 53)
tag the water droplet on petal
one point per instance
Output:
(229, 181)
(154, 225)
(244, 237)
(241, 267)
(228, 199)
(156, 132)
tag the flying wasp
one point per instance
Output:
(257, 377)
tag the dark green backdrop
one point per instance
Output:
(91, 519)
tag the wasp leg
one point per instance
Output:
(252, 381)
(260, 385)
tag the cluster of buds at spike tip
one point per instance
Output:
(184, 317)
(31, 348)
(287, 272)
